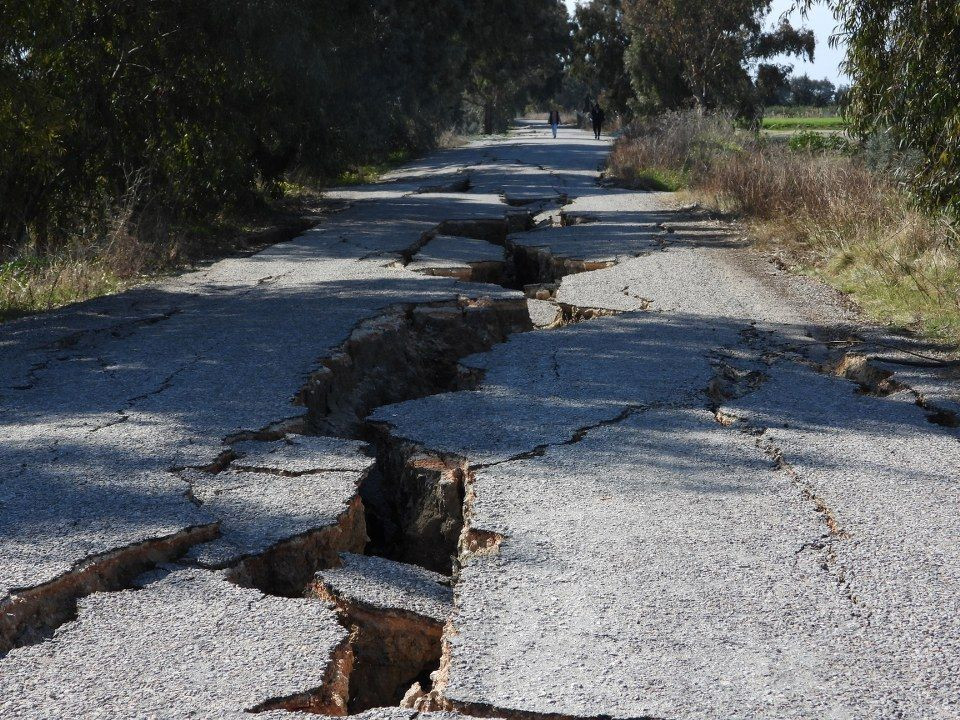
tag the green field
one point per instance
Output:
(803, 123)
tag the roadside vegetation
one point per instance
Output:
(859, 184)
(834, 210)
(140, 140)
(801, 122)
(140, 137)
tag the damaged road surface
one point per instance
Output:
(494, 441)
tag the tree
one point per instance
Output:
(815, 93)
(903, 58)
(699, 52)
(516, 50)
(206, 103)
(772, 84)
(599, 45)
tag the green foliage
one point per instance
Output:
(800, 111)
(515, 49)
(772, 84)
(198, 107)
(806, 91)
(827, 122)
(829, 212)
(811, 141)
(658, 179)
(599, 43)
(698, 52)
(903, 58)
(371, 172)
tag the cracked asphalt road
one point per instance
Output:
(670, 542)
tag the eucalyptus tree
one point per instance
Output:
(903, 59)
(203, 104)
(700, 52)
(600, 41)
(516, 53)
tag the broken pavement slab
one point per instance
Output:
(543, 313)
(602, 488)
(542, 388)
(102, 399)
(887, 479)
(285, 507)
(397, 612)
(187, 644)
(469, 259)
(379, 584)
(301, 522)
(301, 455)
(651, 570)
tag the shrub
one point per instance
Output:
(811, 141)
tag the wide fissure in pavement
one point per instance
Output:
(414, 500)
(408, 520)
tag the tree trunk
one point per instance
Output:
(488, 114)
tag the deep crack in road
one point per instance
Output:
(495, 440)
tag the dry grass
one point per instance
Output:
(450, 139)
(132, 248)
(829, 213)
(97, 260)
(668, 151)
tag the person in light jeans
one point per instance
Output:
(554, 121)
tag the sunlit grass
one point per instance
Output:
(657, 179)
(371, 172)
(834, 122)
(39, 283)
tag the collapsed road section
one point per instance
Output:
(142, 430)
(391, 495)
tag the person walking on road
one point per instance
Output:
(554, 121)
(596, 115)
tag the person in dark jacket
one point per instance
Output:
(554, 121)
(597, 116)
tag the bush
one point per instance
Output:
(663, 152)
(810, 141)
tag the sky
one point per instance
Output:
(827, 60)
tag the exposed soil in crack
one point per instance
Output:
(882, 382)
(392, 650)
(730, 382)
(567, 218)
(28, 616)
(287, 567)
(871, 379)
(859, 366)
(525, 267)
(408, 352)
(939, 416)
(573, 314)
(460, 185)
(417, 503)
(532, 265)
(414, 503)
(527, 200)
